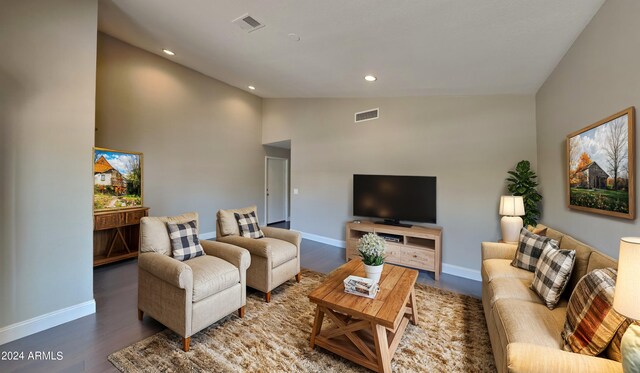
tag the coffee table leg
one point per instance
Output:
(414, 308)
(317, 325)
(382, 348)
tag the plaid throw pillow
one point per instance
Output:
(184, 240)
(591, 320)
(552, 273)
(529, 250)
(248, 225)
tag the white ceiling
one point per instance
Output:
(415, 48)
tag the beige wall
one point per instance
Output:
(47, 99)
(597, 77)
(469, 143)
(200, 137)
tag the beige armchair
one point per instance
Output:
(275, 258)
(188, 296)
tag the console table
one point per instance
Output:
(116, 234)
(415, 247)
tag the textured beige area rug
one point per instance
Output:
(451, 336)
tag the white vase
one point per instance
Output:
(373, 272)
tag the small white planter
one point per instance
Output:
(373, 272)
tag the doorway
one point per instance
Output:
(276, 189)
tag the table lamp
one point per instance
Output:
(627, 301)
(511, 209)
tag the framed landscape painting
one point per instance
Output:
(600, 166)
(117, 179)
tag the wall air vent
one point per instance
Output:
(248, 23)
(367, 115)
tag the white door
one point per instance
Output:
(276, 192)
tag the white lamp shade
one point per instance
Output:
(511, 206)
(627, 296)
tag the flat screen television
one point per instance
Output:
(395, 198)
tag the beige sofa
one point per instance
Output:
(188, 296)
(275, 258)
(525, 335)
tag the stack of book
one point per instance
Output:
(361, 286)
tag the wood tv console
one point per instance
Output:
(417, 247)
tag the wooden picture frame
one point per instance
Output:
(117, 179)
(601, 166)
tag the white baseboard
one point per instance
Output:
(49, 320)
(454, 270)
(449, 269)
(207, 235)
(322, 239)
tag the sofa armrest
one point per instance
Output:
(498, 250)
(235, 255)
(283, 234)
(529, 358)
(254, 246)
(167, 269)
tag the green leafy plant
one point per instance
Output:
(371, 248)
(522, 182)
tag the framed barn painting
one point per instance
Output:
(600, 166)
(117, 179)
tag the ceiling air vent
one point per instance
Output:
(367, 115)
(248, 23)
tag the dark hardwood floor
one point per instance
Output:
(85, 343)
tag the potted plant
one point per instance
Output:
(522, 182)
(371, 248)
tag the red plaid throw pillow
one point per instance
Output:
(591, 320)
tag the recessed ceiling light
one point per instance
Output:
(170, 53)
(370, 78)
(252, 88)
(294, 36)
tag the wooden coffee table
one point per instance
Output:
(365, 331)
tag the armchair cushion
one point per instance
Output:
(248, 225)
(227, 221)
(184, 240)
(281, 251)
(211, 275)
(153, 232)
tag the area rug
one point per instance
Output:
(451, 336)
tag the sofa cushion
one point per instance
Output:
(529, 250)
(582, 261)
(598, 260)
(184, 240)
(511, 288)
(227, 220)
(501, 268)
(552, 273)
(211, 275)
(528, 322)
(591, 320)
(248, 225)
(550, 232)
(153, 232)
(281, 251)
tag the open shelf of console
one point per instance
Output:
(417, 247)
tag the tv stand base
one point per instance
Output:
(395, 223)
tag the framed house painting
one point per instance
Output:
(600, 166)
(117, 179)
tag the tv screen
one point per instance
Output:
(395, 198)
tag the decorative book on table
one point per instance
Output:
(361, 286)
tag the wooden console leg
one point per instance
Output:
(140, 315)
(299, 277)
(241, 312)
(185, 344)
(267, 297)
